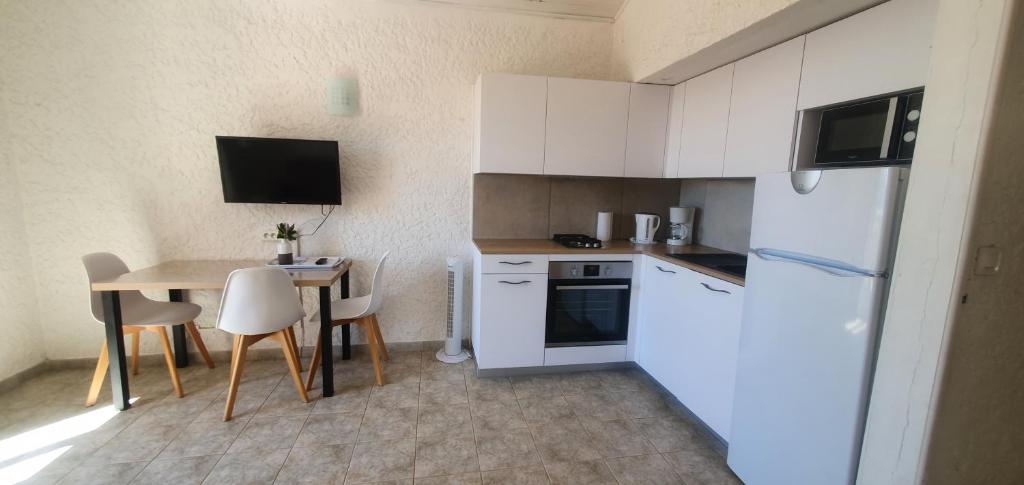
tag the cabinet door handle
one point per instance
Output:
(514, 282)
(592, 287)
(514, 263)
(715, 290)
(663, 270)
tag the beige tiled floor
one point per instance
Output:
(432, 424)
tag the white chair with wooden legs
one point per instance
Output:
(259, 303)
(139, 314)
(360, 311)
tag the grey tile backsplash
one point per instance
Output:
(724, 210)
(535, 206)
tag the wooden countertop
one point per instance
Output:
(660, 251)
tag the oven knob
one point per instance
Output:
(913, 115)
(607, 270)
(909, 136)
(572, 271)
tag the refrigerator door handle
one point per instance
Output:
(832, 267)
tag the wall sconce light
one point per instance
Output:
(342, 97)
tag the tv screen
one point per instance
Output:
(279, 171)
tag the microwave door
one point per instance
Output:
(857, 133)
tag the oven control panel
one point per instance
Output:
(571, 270)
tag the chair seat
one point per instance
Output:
(149, 313)
(347, 309)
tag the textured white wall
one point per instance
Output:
(20, 343)
(976, 432)
(652, 34)
(112, 108)
(929, 260)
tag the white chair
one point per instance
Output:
(138, 314)
(260, 303)
(361, 311)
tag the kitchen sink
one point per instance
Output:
(729, 263)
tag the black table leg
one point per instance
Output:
(178, 331)
(115, 349)
(326, 342)
(346, 332)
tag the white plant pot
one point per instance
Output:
(284, 252)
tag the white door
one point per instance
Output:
(806, 349)
(675, 131)
(586, 127)
(710, 311)
(509, 135)
(512, 320)
(645, 131)
(878, 51)
(660, 325)
(705, 124)
(762, 114)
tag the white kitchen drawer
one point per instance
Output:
(590, 354)
(514, 263)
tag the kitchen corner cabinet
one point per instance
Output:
(586, 127)
(881, 50)
(509, 131)
(510, 295)
(674, 132)
(705, 124)
(645, 131)
(689, 338)
(762, 114)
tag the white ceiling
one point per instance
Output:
(599, 10)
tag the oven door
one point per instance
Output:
(587, 312)
(857, 133)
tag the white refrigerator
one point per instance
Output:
(817, 276)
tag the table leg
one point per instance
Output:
(178, 331)
(115, 349)
(346, 332)
(326, 343)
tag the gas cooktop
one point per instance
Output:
(577, 241)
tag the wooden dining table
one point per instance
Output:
(177, 276)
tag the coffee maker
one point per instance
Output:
(680, 226)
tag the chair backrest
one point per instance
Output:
(258, 301)
(376, 288)
(105, 266)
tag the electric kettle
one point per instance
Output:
(646, 226)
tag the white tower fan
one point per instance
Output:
(452, 353)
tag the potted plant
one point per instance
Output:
(286, 233)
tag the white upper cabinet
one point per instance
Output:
(705, 124)
(878, 51)
(675, 130)
(509, 135)
(763, 111)
(586, 127)
(645, 131)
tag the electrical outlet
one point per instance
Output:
(269, 237)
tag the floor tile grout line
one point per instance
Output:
(564, 391)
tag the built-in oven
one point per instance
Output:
(872, 132)
(588, 303)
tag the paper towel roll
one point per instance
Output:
(604, 226)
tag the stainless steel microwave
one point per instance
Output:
(874, 132)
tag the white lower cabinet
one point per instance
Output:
(509, 314)
(689, 337)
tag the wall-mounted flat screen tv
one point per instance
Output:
(279, 171)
